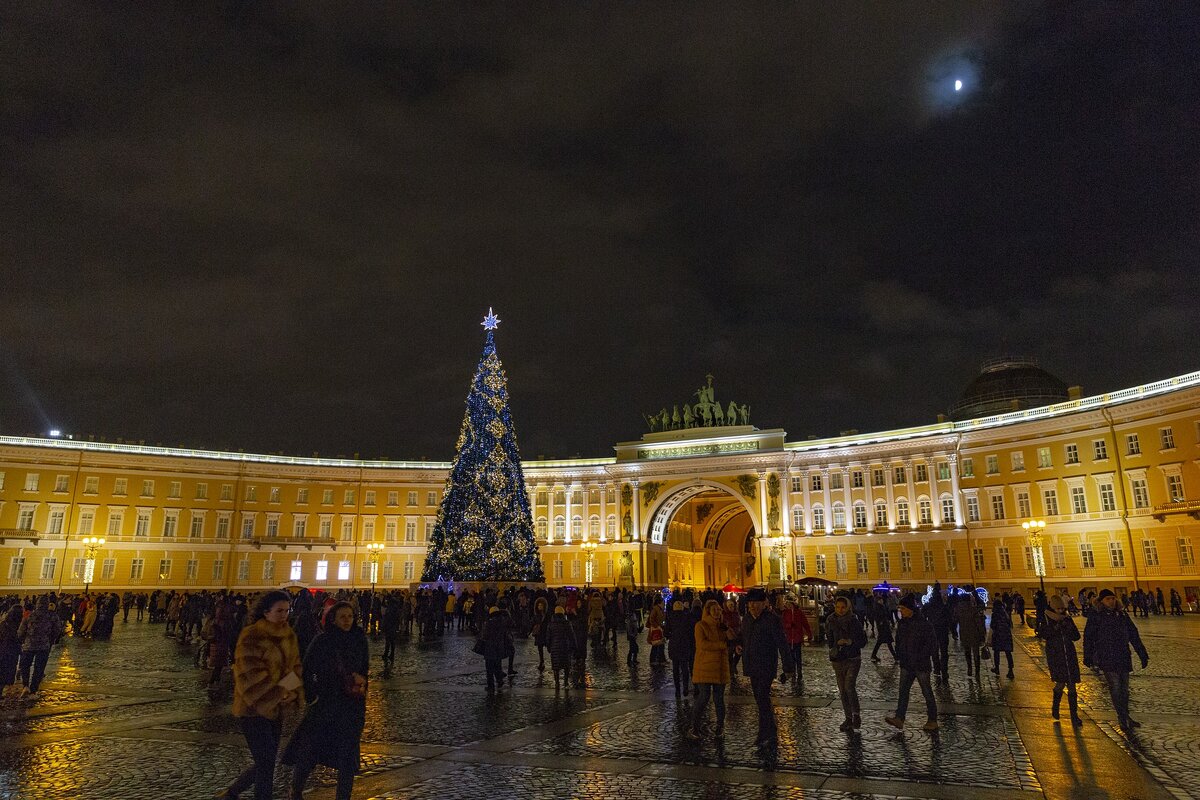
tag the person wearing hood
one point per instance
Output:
(1060, 634)
(846, 639)
(916, 648)
(560, 641)
(335, 672)
(1107, 637)
(1001, 636)
(267, 680)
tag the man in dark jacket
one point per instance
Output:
(1107, 637)
(762, 640)
(495, 646)
(938, 615)
(916, 646)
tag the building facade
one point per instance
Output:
(1115, 477)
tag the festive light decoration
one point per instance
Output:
(484, 528)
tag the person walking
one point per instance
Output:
(916, 646)
(495, 646)
(335, 669)
(710, 669)
(796, 628)
(391, 627)
(938, 616)
(37, 633)
(540, 618)
(267, 680)
(10, 649)
(883, 630)
(654, 633)
(1107, 637)
(560, 641)
(846, 639)
(971, 628)
(763, 645)
(733, 624)
(1059, 633)
(633, 629)
(681, 645)
(1001, 636)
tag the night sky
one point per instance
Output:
(277, 226)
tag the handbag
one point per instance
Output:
(478, 649)
(985, 653)
(654, 635)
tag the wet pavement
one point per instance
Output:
(130, 719)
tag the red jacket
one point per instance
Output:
(795, 625)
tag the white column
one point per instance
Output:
(604, 511)
(888, 476)
(869, 490)
(806, 486)
(849, 499)
(956, 491)
(785, 489)
(913, 515)
(570, 489)
(828, 502)
(637, 511)
(935, 499)
(550, 513)
(762, 504)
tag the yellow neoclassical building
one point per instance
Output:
(1115, 478)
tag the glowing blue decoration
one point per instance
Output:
(928, 596)
(958, 86)
(982, 594)
(491, 321)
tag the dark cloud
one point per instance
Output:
(277, 225)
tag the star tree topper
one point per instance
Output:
(491, 321)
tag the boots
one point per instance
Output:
(1058, 693)
(1073, 703)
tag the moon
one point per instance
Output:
(958, 86)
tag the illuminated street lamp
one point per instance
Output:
(589, 553)
(780, 551)
(1034, 528)
(374, 550)
(90, 545)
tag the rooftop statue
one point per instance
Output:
(706, 412)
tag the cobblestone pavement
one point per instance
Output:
(130, 719)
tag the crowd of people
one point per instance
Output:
(309, 650)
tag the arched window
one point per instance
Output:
(560, 528)
(594, 526)
(818, 518)
(948, 509)
(577, 526)
(542, 528)
(925, 510)
(881, 514)
(797, 518)
(611, 525)
(839, 516)
(860, 515)
(902, 512)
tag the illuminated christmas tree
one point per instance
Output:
(484, 529)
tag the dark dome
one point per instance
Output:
(1008, 384)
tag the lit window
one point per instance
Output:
(296, 571)
(322, 570)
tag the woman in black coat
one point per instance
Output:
(560, 641)
(1060, 635)
(540, 618)
(496, 639)
(335, 673)
(883, 629)
(1002, 639)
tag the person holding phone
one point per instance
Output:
(267, 679)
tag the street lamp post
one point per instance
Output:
(589, 554)
(780, 551)
(1034, 528)
(90, 545)
(374, 550)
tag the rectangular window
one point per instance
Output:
(1116, 555)
(273, 496)
(54, 523)
(248, 527)
(899, 475)
(1175, 488)
(142, 526)
(193, 569)
(1087, 558)
(297, 570)
(1058, 553)
(322, 570)
(164, 568)
(16, 569)
(1044, 460)
(368, 530)
(801, 565)
(243, 574)
(412, 498)
(1018, 461)
(25, 518)
(268, 572)
(170, 524)
(347, 530)
(388, 571)
(1150, 552)
(902, 512)
(1005, 559)
(1078, 500)
(227, 492)
(326, 528)
(251, 494)
(31, 483)
(1050, 501)
(201, 491)
(393, 498)
(997, 506)
(369, 497)
(115, 520)
(612, 527)
(49, 567)
(1141, 495)
(108, 569)
(137, 567)
(943, 468)
(147, 488)
(977, 555)
(993, 465)
(223, 527)
(174, 490)
(302, 495)
(197, 527)
(1024, 508)
(61, 483)
(948, 510)
(558, 569)
(1028, 559)
(120, 486)
(273, 527)
(885, 563)
(797, 485)
(348, 497)
(91, 484)
(1099, 450)
(922, 473)
(881, 519)
(1133, 447)
(835, 481)
(856, 479)
(87, 519)
(389, 530)
(327, 497)
(840, 563)
(820, 563)
(817, 483)
(410, 569)
(968, 468)
(300, 527)
(860, 517)
(1166, 438)
(927, 560)
(972, 509)
(1186, 557)
(410, 531)
(431, 498)
(951, 561)
(218, 573)
(860, 562)
(1072, 454)
(877, 477)
(1108, 499)
(818, 519)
